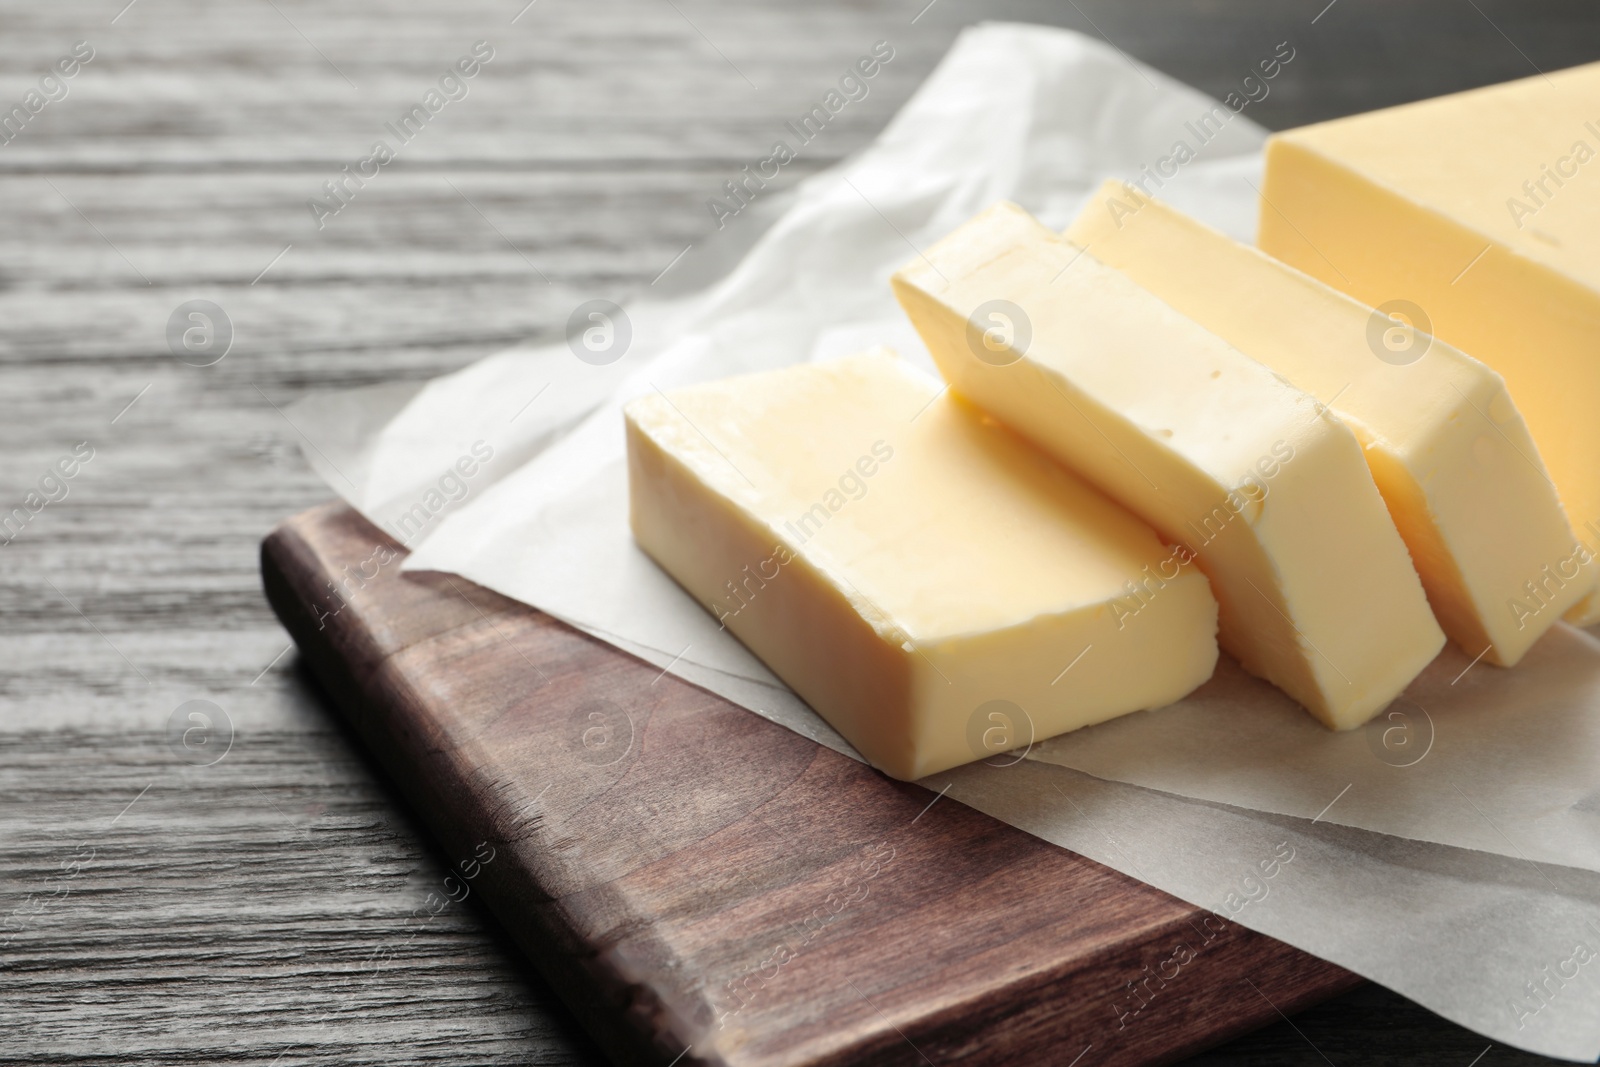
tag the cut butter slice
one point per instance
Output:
(934, 587)
(1316, 590)
(1445, 444)
(1480, 214)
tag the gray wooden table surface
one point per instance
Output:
(258, 910)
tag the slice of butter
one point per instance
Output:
(1316, 590)
(1477, 217)
(1445, 444)
(935, 588)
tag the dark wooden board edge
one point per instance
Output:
(626, 988)
(343, 664)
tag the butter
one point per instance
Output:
(1316, 591)
(935, 588)
(1482, 209)
(1445, 444)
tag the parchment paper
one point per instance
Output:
(1503, 946)
(1499, 760)
(1458, 919)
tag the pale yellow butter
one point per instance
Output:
(1481, 209)
(1316, 589)
(934, 587)
(1446, 446)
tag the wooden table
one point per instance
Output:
(258, 910)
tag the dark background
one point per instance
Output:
(222, 913)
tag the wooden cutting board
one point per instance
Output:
(702, 886)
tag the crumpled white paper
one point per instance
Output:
(1460, 919)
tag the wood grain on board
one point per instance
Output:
(705, 887)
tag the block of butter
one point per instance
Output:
(1445, 444)
(1316, 589)
(934, 587)
(1477, 218)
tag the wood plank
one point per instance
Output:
(693, 877)
(630, 80)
